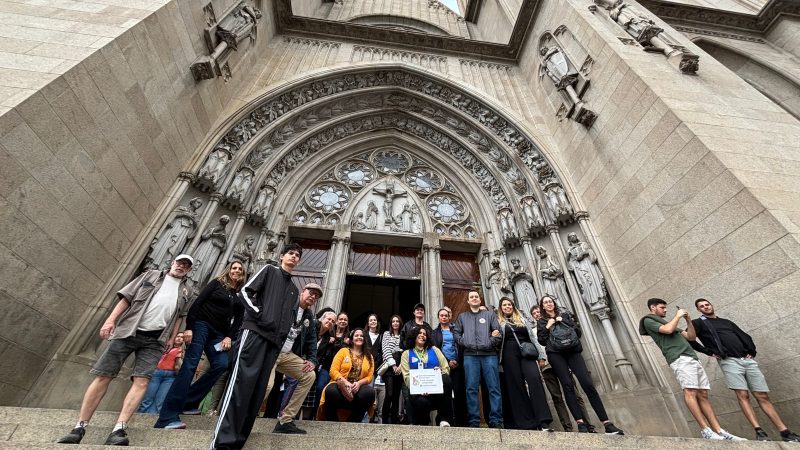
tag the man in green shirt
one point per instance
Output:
(674, 345)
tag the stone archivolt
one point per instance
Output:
(483, 129)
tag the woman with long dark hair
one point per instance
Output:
(527, 405)
(421, 353)
(338, 338)
(559, 333)
(351, 375)
(393, 377)
(209, 329)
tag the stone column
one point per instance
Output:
(83, 339)
(530, 261)
(336, 274)
(604, 313)
(434, 299)
(233, 237)
(580, 310)
(427, 279)
(208, 212)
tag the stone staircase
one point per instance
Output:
(31, 428)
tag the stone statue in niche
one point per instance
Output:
(508, 225)
(649, 35)
(557, 202)
(244, 252)
(583, 265)
(523, 286)
(560, 70)
(239, 25)
(552, 278)
(212, 244)
(357, 223)
(388, 193)
(215, 165)
(263, 202)
(416, 220)
(267, 256)
(169, 242)
(371, 219)
(240, 186)
(498, 282)
(533, 215)
(405, 218)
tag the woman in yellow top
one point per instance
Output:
(351, 375)
(423, 355)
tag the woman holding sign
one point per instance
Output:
(424, 368)
(351, 375)
(519, 358)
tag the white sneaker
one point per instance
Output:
(708, 433)
(444, 423)
(729, 437)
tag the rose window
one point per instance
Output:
(446, 208)
(329, 198)
(355, 174)
(391, 162)
(424, 180)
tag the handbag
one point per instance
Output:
(528, 350)
(385, 365)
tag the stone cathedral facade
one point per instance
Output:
(602, 151)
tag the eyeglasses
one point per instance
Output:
(183, 263)
(314, 294)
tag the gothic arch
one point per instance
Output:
(407, 23)
(777, 85)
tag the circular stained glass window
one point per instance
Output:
(328, 198)
(355, 174)
(391, 162)
(446, 208)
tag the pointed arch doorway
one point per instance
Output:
(381, 279)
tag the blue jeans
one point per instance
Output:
(476, 367)
(323, 378)
(183, 391)
(157, 390)
(290, 384)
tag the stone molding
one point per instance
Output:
(722, 34)
(760, 22)
(426, 60)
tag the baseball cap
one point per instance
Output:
(185, 256)
(419, 305)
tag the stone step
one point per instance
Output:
(40, 428)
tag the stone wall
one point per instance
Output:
(85, 163)
(434, 14)
(692, 191)
(786, 34)
(495, 21)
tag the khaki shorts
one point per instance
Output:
(742, 374)
(690, 373)
(147, 349)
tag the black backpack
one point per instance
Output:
(562, 337)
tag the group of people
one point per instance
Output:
(253, 329)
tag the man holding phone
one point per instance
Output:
(674, 345)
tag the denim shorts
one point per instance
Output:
(742, 374)
(146, 347)
(690, 373)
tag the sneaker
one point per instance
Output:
(583, 428)
(193, 412)
(708, 433)
(287, 428)
(496, 425)
(611, 429)
(788, 436)
(549, 430)
(74, 436)
(729, 437)
(444, 423)
(119, 437)
(591, 427)
(177, 425)
(761, 435)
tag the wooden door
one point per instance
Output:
(460, 274)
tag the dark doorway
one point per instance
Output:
(382, 296)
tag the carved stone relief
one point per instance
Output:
(212, 243)
(534, 220)
(244, 252)
(558, 67)
(223, 37)
(552, 278)
(177, 231)
(583, 265)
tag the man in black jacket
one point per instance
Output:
(417, 321)
(298, 359)
(270, 310)
(736, 352)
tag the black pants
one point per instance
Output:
(334, 400)
(420, 406)
(247, 385)
(391, 404)
(459, 397)
(529, 405)
(554, 387)
(562, 363)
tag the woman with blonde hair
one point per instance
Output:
(210, 326)
(519, 358)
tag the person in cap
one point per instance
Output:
(270, 313)
(298, 359)
(145, 321)
(417, 321)
(210, 328)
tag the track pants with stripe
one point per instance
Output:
(247, 385)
